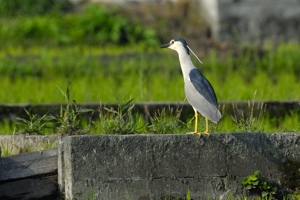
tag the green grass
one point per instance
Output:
(94, 25)
(32, 75)
(99, 75)
(289, 123)
(166, 123)
(118, 58)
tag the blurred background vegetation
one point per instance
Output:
(47, 42)
(55, 22)
(109, 52)
(48, 23)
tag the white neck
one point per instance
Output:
(186, 63)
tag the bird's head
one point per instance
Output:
(181, 46)
(177, 44)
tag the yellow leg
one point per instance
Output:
(196, 122)
(196, 125)
(206, 130)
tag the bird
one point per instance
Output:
(198, 90)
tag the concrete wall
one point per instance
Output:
(157, 166)
(29, 176)
(16, 144)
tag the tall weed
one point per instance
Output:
(69, 119)
(166, 121)
(33, 125)
(253, 120)
(120, 120)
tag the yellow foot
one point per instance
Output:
(194, 133)
(206, 133)
(198, 133)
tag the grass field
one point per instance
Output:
(106, 55)
(105, 75)
(32, 76)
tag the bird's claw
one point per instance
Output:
(190, 133)
(206, 133)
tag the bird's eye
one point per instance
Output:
(172, 41)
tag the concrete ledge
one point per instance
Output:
(29, 176)
(157, 166)
(16, 144)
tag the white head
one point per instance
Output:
(179, 45)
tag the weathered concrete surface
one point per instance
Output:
(29, 176)
(156, 166)
(253, 20)
(28, 165)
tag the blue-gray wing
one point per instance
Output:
(201, 95)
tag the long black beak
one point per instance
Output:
(165, 45)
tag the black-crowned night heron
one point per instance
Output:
(198, 90)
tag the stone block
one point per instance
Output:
(159, 166)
